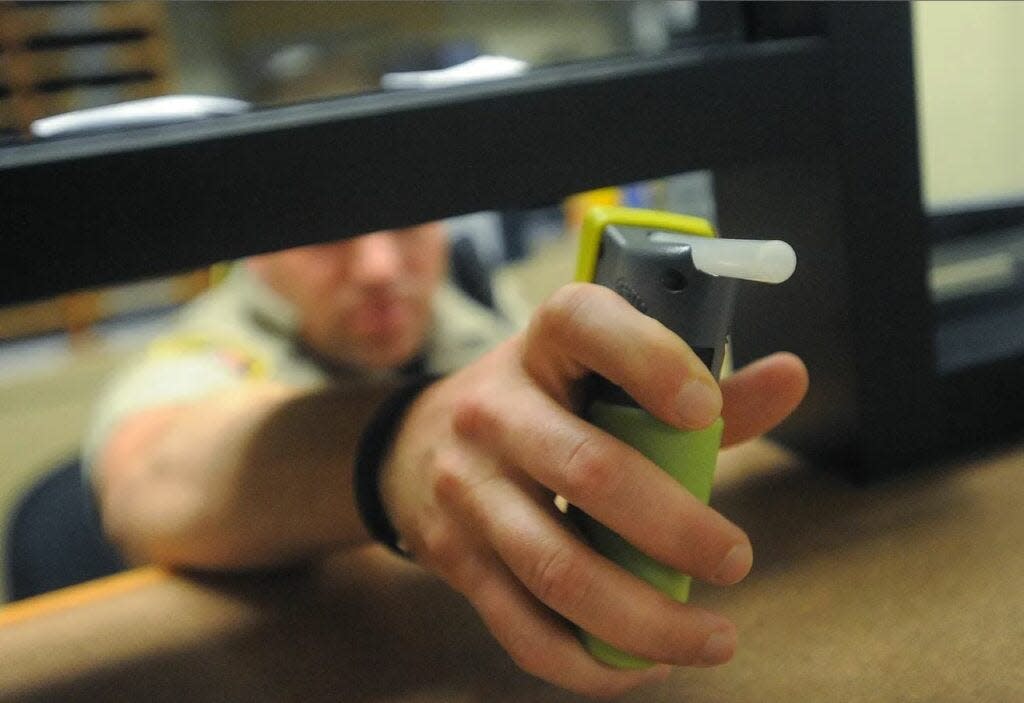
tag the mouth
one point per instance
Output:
(383, 317)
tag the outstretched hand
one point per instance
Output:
(470, 480)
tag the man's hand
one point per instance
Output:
(470, 481)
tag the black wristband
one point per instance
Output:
(373, 445)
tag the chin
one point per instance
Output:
(389, 356)
(381, 349)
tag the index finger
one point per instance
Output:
(585, 327)
(609, 480)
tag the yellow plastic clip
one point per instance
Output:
(600, 217)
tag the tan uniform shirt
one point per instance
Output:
(241, 330)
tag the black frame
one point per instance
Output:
(806, 117)
(179, 196)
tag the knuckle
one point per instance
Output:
(566, 301)
(449, 484)
(561, 580)
(473, 416)
(561, 312)
(588, 473)
(442, 550)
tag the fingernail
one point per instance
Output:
(735, 566)
(719, 647)
(699, 404)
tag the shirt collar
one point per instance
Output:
(268, 308)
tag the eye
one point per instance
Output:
(673, 281)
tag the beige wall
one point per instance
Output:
(970, 76)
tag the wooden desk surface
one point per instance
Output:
(905, 591)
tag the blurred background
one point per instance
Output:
(61, 57)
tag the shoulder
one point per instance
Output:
(232, 334)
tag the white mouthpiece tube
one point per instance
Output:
(770, 261)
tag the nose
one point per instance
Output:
(377, 259)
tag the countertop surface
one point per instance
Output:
(905, 590)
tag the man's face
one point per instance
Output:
(366, 300)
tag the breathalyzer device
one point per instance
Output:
(675, 269)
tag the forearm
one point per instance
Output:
(257, 477)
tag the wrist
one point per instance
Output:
(373, 455)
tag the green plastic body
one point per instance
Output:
(689, 457)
